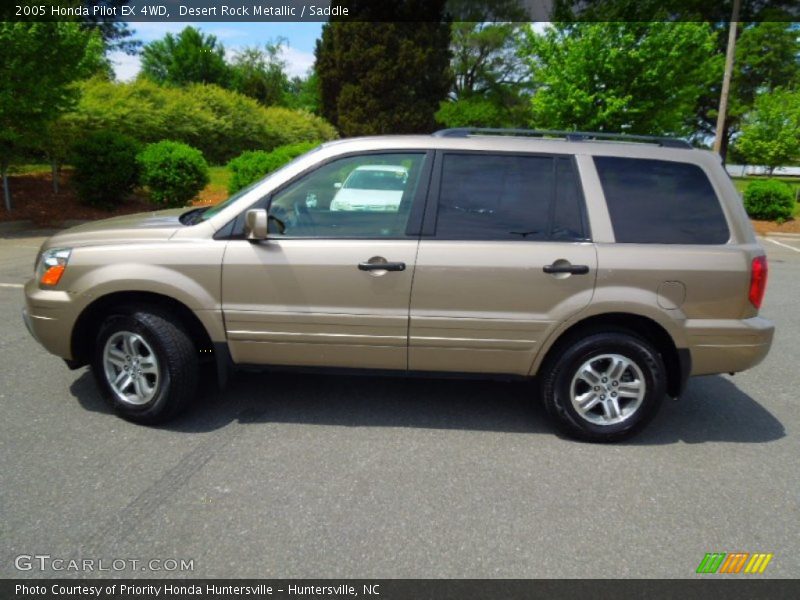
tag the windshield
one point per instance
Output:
(217, 208)
(377, 180)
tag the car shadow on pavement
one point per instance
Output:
(713, 408)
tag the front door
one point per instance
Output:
(505, 256)
(331, 285)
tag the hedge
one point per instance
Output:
(251, 166)
(220, 123)
(769, 200)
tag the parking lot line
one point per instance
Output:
(12, 285)
(776, 242)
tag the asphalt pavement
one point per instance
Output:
(288, 475)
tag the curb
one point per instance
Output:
(15, 226)
(794, 236)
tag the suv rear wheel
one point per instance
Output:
(604, 387)
(145, 364)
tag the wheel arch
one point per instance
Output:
(90, 319)
(677, 361)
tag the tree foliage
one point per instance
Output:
(489, 78)
(771, 131)
(618, 76)
(173, 172)
(221, 123)
(769, 200)
(105, 168)
(38, 62)
(261, 73)
(189, 57)
(384, 76)
(251, 166)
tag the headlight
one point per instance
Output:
(52, 265)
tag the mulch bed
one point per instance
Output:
(763, 227)
(32, 198)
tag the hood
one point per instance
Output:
(358, 199)
(158, 225)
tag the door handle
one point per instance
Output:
(382, 266)
(566, 268)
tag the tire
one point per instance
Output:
(149, 347)
(613, 406)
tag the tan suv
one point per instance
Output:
(611, 268)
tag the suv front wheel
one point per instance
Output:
(145, 364)
(604, 387)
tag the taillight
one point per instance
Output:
(758, 280)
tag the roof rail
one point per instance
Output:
(570, 136)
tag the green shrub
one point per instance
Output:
(220, 123)
(252, 165)
(769, 200)
(174, 172)
(105, 168)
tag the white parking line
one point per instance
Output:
(777, 243)
(12, 285)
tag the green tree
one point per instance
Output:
(767, 50)
(189, 57)
(304, 93)
(771, 131)
(489, 79)
(767, 57)
(639, 77)
(38, 62)
(261, 73)
(384, 74)
(115, 33)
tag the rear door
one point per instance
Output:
(331, 285)
(505, 256)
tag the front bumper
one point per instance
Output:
(48, 315)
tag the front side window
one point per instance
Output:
(367, 196)
(509, 197)
(660, 202)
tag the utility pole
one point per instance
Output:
(726, 78)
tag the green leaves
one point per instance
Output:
(251, 166)
(629, 77)
(385, 77)
(771, 132)
(174, 172)
(221, 123)
(189, 57)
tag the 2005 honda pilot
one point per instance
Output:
(611, 269)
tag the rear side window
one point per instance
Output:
(508, 197)
(661, 202)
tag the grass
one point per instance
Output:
(217, 188)
(220, 176)
(29, 169)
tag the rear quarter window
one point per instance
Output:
(661, 202)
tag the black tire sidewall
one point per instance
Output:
(157, 406)
(631, 347)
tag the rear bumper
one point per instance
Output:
(727, 346)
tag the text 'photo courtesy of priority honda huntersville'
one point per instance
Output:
(608, 269)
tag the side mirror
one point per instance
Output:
(337, 185)
(255, 224)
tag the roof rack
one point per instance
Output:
(570, 136)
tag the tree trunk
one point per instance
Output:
(6, 189)
(724, 143)
(56, 173)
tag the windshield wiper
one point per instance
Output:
(524, 233)
(192, 217)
